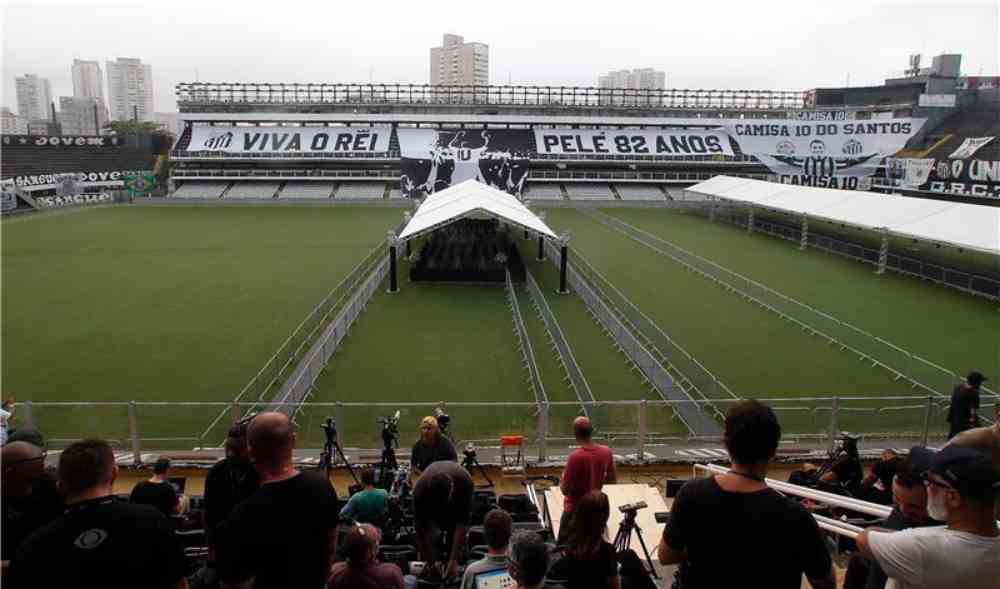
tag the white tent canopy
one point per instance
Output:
(974, 227)
(471, 199)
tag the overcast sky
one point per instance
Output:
(699, 44)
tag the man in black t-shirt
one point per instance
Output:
(30, 497)
(431, 447)
(230, 480)
(732, 530)
(282, 536)
(963, 413)
(100, 541)
(442, 503)
(157, 491)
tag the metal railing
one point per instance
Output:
(814, 422)
(524, 342)
(561, 345)
(655, 367)
(198, 173)
(225, 93)
(693, 374)
(902, 363)
(281, 364)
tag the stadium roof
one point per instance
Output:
(435, 118)
(471, 199)
(974, 227)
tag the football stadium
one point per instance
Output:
(506, 259)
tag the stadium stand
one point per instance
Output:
(316, 190)
(975, 121)
(639, 192)
(253, 190)
(544, 192)
(395, 193)
(201, 190)
(584, 191)
(360, 191)
(26, 160)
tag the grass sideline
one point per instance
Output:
(160, 304)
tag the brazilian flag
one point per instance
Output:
(141, 183)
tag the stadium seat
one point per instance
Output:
(539, 191)
(639, 192)
(253, 190)
(589, 191)
(360, 191)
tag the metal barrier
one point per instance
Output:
(524, 343)
(902, 363)
(276, 369)
(829, 524)
(651, 367)
(566, 358)
(692, 374)
(168, 425)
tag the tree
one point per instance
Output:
(135, 128)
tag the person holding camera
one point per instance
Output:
(431, 447)
(588, 560)
(733, 530)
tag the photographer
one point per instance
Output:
(842, 474)
(442, 504)
(732, 530)
(877, 486)
(431, 447)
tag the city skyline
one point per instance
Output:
(857, 40)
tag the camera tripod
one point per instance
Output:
(623, 540)
(470, 461)
(331, 451)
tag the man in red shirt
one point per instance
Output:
(587, 469)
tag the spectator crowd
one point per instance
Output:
(268, 524)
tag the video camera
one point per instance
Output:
(443, 419)
(849, 445)
(330, 429)
(632, 507)
(470, 451)
(390, 430)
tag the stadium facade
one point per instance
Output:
(387, 141)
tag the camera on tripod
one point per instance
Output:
(848, 444)
(469, 451)
(443, 419)
(330, 429)
(632, 507)
(390, 430)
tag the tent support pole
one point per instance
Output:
(541, 248)
(393, 283)
(804, 241)
(883, 252)
(750, 221)
(563, 255)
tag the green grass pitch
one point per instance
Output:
(186, 303)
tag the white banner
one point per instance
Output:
(50, 202)
(663, 142)
(232, 139)
(56, 179)
(815, 148)
(916, 171)
(969, 147)
(936, 100)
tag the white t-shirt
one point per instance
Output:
(936, 557)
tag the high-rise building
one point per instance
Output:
(34, 97)
(88, 80)
(637, 79)
(457, 63)
(12, 124)
(130, 89)
(82, 116)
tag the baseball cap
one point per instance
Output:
(975, 378)
(969, 472)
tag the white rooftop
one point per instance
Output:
(471, 199)
(974, 227)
